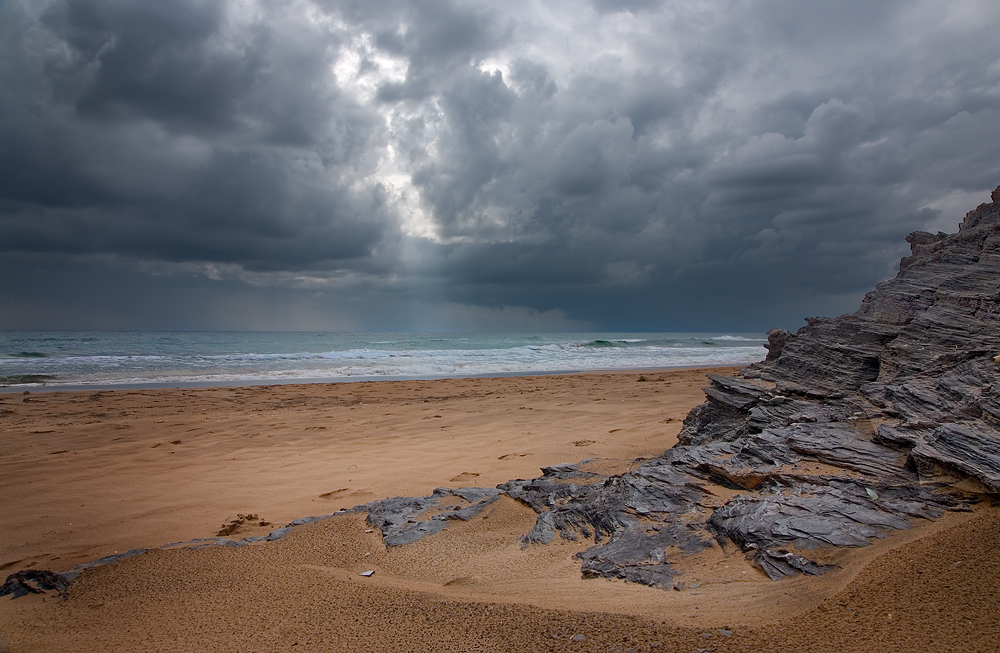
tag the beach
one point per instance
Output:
(88, 474)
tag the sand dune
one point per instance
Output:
(87, 474)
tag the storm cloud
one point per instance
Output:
(632, 165)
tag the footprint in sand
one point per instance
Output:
(7, 565)
(236, 524)
(513, 455)
(464, 476)
(584, 443)
(328, 495)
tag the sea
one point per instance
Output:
(104, 359)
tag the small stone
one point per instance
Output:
(579, 637)
(725, 632)
(367, 574)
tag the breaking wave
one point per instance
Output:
(205, 358)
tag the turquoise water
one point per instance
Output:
(61, 358)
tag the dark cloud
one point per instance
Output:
(388, 164)
(153, 60)
(164, 131)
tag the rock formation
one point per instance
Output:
(407, 519)
(850, 428)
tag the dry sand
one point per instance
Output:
(87, 474)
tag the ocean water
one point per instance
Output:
(130, 359)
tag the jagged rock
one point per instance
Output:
(639, 558)
(782, 564)
(824, 512)
(34, 581)
(401, 518)
(776, 341)
(968, 448)
(880, 401)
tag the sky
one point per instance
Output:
(514, 165)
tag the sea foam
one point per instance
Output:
(130, 359)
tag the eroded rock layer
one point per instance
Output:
(850, 428)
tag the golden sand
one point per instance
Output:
(88, 474)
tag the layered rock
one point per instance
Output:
(407, 519)
(850, 428)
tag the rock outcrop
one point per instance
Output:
(407, 519)
(850, 428)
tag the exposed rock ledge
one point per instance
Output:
(850, 428)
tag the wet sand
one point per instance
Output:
(87, 474)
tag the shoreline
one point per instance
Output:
(44, 387)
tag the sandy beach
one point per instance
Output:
(89, 474)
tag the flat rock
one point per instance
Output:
(403, 520)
